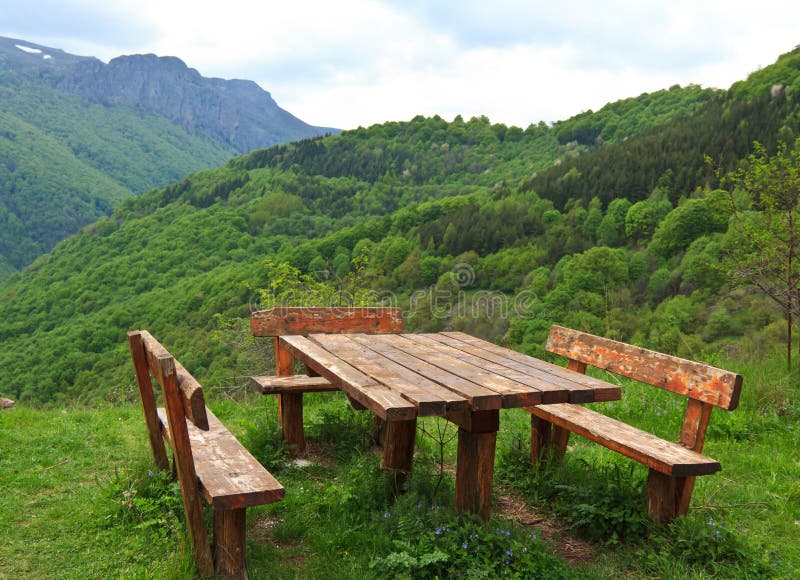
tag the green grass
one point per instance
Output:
(78, 497)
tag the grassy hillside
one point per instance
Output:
(82, 500)
(174, 260)
(64, 162)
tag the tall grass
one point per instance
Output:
(79, 496)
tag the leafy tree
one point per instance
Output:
(690, 220)
(765, 244)
(640, 222)
(611, 231)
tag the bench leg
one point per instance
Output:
(667, 496)
(230, 558)
(399, 439)
(290, 412)
(547, 438)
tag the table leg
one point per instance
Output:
(477, 438)
(398, 447)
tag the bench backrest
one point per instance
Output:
(183, 398)
(705, 386)
(304, 320)
(698, 381)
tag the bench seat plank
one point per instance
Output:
(663, 456)
(274, 385)
(229, 476)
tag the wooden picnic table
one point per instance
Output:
(400, 377)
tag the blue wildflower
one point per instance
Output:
(464, 545)
(150, 473)
(438, 531)
(387, 515)
(509, 553)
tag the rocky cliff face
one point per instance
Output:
(237, 113)
(234, 111)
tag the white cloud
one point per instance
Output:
(358, 62)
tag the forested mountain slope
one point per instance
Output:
(77, 136)
(423, 199)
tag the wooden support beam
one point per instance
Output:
(398, 447)
(148, 399)
(230, 556)
(475, 421)
(662, 496)
(184, 464)
(475, 472)
(290, 405)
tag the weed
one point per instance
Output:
(148, 502)
(433, 542)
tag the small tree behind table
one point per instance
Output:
(764, 240)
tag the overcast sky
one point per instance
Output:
(345, 63)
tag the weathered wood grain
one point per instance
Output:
(290, 404)
(475, 472)
(229, 476)
(558, 384)
(663, 456)
(479, 398)
(380, 399)
(301, 320)
(429, 397)
(513, 393)
(183, 460)
(399, 440)
(274, 385)
(189, 389)
(230, 534)
(699, 381)
(140, 367)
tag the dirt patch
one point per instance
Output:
(551, 530)
(262, 532)
(316, 452)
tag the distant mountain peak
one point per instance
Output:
(237, 113)
(16, 54)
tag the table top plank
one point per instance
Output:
(427, 396)
(380, 399)
(550, 393)
(478, 397)
(597, 389)
(513, 393)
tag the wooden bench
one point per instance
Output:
(302, 321)
(673, 466)
(208, 460)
